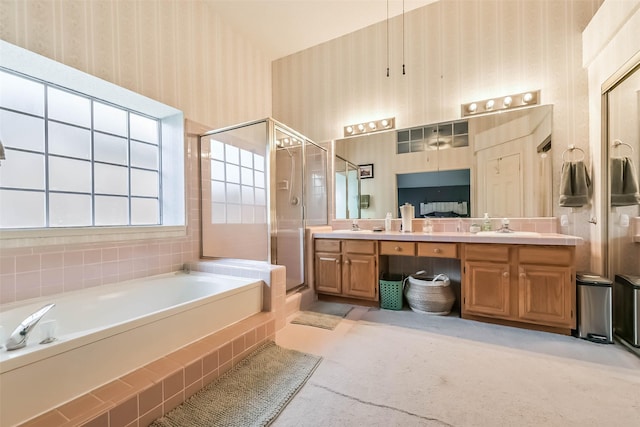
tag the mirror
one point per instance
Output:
(623, 148)
(347, 189)
(506, 154)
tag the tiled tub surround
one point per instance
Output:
(240, 337)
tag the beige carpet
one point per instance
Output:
(382, 375)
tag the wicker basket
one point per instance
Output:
(430, 295)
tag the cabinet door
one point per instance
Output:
(328, 269)
(486, 289)
(546, 295)
(360, 276)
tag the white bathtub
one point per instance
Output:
(108, 331)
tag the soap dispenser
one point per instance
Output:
(486, 222)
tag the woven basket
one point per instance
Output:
(430, 295)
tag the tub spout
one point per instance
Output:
(18, 338)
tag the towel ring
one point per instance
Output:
(571, 149)
(617, 143)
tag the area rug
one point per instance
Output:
(322, 314)
(253, 393)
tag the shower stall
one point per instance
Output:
(262, 184)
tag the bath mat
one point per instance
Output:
(322, 314)
(253, 393)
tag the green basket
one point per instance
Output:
(391, 292)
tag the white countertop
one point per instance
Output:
(463, 237)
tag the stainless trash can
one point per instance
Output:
(595, 321)
(627, 308)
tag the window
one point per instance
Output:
(73, 160)
(438, 136)
(238, 192)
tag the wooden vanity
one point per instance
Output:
(523, 281)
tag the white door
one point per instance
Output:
(502, 179)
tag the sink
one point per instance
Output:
(514, 234)
(353, 231)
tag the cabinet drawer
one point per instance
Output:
(360, 246)
(546, 255)
(398, 248)
(438, 250)
(324, 245)
(486, 252)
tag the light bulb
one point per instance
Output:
(349, 129)
(507, 101)
(372, 125)
(489, 104)
(384, 123)
(527, 97)
(361, 127)
(472, 107)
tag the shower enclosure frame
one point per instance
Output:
(274, 228)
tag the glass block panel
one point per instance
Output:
(68, 107)
(233, 173)
(217, 170)
(234, 214)
(69, 175)
(247, 195)
(260, 197)
(218, 213)
(246, 159)
(217, 150)
(445, 129)
(110, 149)
(461, 141)
(258, 162)
(258, 179)
(218, 192)
(109, 119)
(417, 146)
(69, 141)
(247, 214)
(144, 211)
(143, 128)
(461, 127)
(233, 193)
(144, 183)
(111, 210)
(246, 176)
(404, 147)
(416, 134)
(260, 215)
(111, 179)
(22, 131)
(22, 170)
(144, 155)
(403, 136)
(232, 154)
(21, 94)
(69, 210)
(22, 209)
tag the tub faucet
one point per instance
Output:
(18, 338)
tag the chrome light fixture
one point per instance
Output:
(370, 127)
(509, 102)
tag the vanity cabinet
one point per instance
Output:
(347, 268)
(531, 286)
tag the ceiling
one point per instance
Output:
(283, 27)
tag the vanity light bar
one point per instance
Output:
(370, 127)
(509, 102)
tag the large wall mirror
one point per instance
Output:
(502, 161)
(622, 147)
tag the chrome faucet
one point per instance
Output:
(18, 338)
(355, 226)
(505, 226)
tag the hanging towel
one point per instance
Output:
(624, 182)
(575, 184)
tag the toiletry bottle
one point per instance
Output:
(387, 222)
(486, 223)
(460, 226)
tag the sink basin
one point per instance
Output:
(514, 234)
(353, 231)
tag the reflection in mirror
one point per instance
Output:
(443, 194)
(507, 155)
(623, 146)
(347, 189)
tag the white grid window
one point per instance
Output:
(238, 193)
(73, 160)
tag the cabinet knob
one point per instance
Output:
(346, 261)
(505, 274)
(523, 275)
(337, 261)
(437, 250)
(397, 248)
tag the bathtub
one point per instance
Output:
(105, 332)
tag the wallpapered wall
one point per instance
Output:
(455, 52)
(177, 52)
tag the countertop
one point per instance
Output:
(523, 238)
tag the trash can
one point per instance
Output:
(594, 308)
(391, 291)
(627, 308)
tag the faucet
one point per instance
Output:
(505, 226)
(18, 338)
(355, 226)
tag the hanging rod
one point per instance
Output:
(571, 149)
(617, 143)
